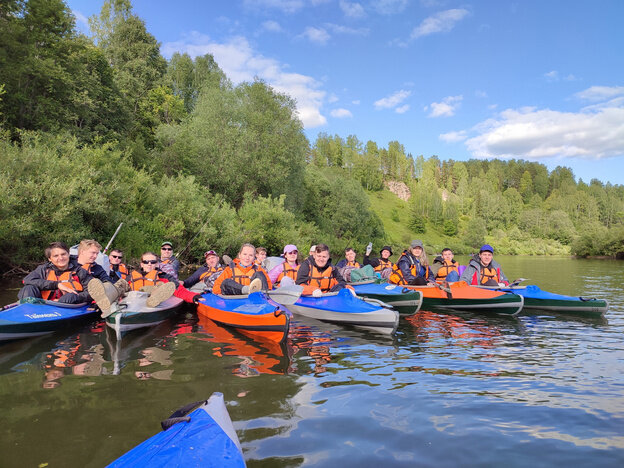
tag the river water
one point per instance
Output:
(447, 390)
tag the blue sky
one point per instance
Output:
(527, 79)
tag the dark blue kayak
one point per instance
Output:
(535, 298)
(203, 438)
(39, 318)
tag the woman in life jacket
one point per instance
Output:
(287, 269)
(412, 267)
(242, 275)
(147, 278)
(483, 270)
(317, 275)
(445, 267)
(118, 270)
(59, 279)
(383, 262)
(205, 276)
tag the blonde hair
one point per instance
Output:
(422, 258)
(86, 244)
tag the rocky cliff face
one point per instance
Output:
(399, 189)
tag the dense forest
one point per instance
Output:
(100, 130)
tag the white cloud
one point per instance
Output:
(341, 113)
(481, 94)
(443, 21)
(594, 132)
(340, 29)
(332, 98)
(241, 63)
(552, 75)
(402, 110)
(317, 35)
(356, 102)
(272, 26)
(453, 137)
(392, 100)
(390, 7)
(352, 9)
(446, 108)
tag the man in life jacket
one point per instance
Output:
(242, 276)
(59, 279)
(118, 269)
(168, 262)
(412, 267)
(88, 251)
(383, 262)
(205, 276)
(317, 275)
(445, 267)
(147, 278)
(287, 269)
(349, 260)
(483, 270)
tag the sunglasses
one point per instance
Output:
(293, 252)
(150, 262)
(117, 256)
(166, 248)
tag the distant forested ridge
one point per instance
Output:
(100, 130)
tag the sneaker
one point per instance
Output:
(160, 294)
(245, 290)
(255, 285)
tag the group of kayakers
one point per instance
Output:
(77, 279)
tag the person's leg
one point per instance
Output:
(452, 277)
(72, 299)
(263, 280)
(419, 281)
(160, 293)
(29, 291)
(229, 287)
(104, 294)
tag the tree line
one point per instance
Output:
(102, 129)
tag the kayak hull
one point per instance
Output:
(346, 309)
(255, 313)
(463, 297)
(27, 320)
(206, 439)
(537, 299)
(405, 301)
(135, 313)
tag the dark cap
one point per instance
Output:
(486, 248)
(166, 243)
(386, 247)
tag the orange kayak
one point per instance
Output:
(255, 313)
(463, 297)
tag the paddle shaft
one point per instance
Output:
(113, 238)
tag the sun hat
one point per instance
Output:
(386, 247)
(486, 248)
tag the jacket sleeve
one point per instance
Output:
(406, 271)
(374, 262)
(502, 275)
(227, 273)
(37, 277)
(432, 275)
(341, 281)
(468, 274)
(303, 275)
(184, 294)
(98, 272)
(342, 263)
(194, 278)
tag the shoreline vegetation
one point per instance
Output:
(100, 130)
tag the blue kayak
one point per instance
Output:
(535, 298)
(203, 438)
(39, 318)
(403, 299)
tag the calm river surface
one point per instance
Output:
(446, 390)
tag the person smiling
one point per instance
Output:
(205, 276)
(317, 275)
(59, 279)
(288, 268)
(483, 270)
(168, 262)
(412, 267)
(242, 276)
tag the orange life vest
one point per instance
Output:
(137, 280)
(489, 276)
(324, 280)
(397, 275)
(445, 269)
(209, 272)
(70, 278)
(353, 264)
(122, 271)
(241, 277)
(287, 271)
(383, 264)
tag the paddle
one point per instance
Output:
(441, 287)
(112, 238)
(286, 295)
(517, 282)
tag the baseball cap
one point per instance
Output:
(166, 243)
(290, 248)
(486, 248)
(417, 243)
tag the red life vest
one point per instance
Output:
(70, 278)
(138, 280)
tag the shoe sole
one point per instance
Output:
(160, 294)
(98, 294)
